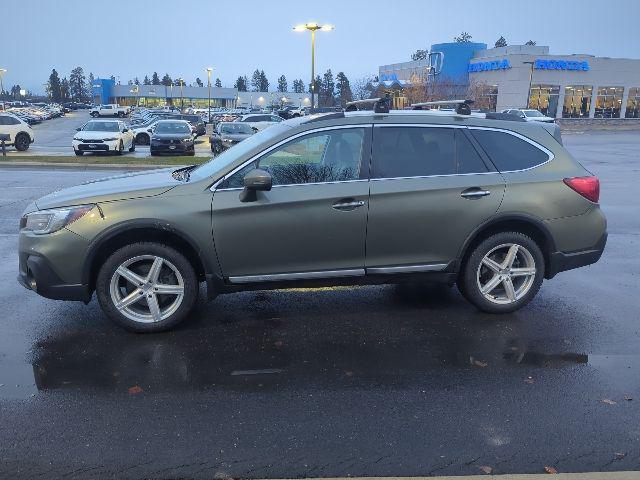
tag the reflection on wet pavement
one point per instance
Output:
(270, 340)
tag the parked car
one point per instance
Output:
(108, 111)
(529, 115)
(104, 136)
(227, 134)
(172, 136)
(260, 121)
(20, 134)
(498, 207)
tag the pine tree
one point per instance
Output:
(419, 55)
(327, 91)
(90, 80)
(155, 79)
(531, 43)
(146, 80)
(318, 84)
(343, 88)
(255, 81)
(136, 81)
(218, 83)
(199, 82)
(298, 86)
(54, 86)
(501, 42)
(264, 82)
(282, 84)
(463, 38)
(77, 84)
(64, 89)
(241, 84)
(166, 80)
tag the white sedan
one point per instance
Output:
(260, 121)
(106, 136)
(529, 115)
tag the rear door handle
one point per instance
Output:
(347, 204)
(474, 192)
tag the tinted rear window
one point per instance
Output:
(509, 152)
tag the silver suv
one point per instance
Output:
(492, 205)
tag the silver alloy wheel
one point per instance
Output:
(506, 273)
(147, 289)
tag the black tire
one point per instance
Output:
(468, 279)
(120, 114)
(108, 269)
(142, 139)
(120, 148)
(191, 153)
(22, 141)
(79, 153)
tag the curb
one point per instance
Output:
(89, 166)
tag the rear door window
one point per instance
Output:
(413, 152)
(509, 152)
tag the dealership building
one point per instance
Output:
(105, 91)
(560, 86)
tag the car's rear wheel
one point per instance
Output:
(22, 142)
(142, 139)
(503, 273)
(147, 287)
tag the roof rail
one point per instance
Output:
(463, 107)
(378, 105)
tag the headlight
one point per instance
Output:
(186, 140)
(77, 139)
(111, 139)
(49, 221)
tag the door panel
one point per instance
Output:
(430, 189)
(415, 221)
(290, 229)
(312, 220)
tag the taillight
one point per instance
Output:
(588, 187)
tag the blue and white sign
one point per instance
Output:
(487, 66)
(541, 64)
(389, 77)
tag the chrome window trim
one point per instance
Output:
(279, 144)
(433, 267)
(355, 272)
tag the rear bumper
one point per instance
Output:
(561, 261)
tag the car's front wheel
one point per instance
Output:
(503, 273)
(22, 142)
(142, 139)
(147, 287)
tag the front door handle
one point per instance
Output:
(474, 192)
(347, 204)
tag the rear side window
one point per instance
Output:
(509, 152)
(413, 152)
(423, 152)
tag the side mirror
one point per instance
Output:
(78, 129)
(254, 181)
(150, 130)
(125, 130)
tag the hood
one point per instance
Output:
(95, 135)
(119, 187)
(236, 137)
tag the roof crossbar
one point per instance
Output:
(463, 107)
(378, 105)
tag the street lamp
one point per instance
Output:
(530, 80)
(313, 28)
(209, 70)
(2, 72)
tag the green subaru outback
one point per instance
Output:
(491, 204)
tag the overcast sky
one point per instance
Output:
(128, 38)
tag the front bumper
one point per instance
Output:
(96, 147)
(51, 265)
(172, 148)
(561, 261)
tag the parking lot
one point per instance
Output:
(53, 138)
(369, 381)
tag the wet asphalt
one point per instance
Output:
(370, 381)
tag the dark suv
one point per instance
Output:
(495, 206)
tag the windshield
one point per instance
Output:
(172, 127)
(101, 127)
(532, 113)
(229, 156)
(236, 128)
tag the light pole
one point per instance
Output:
(181, 95)
(530, 80)
(313, 28)
(2, 72)
(209, 70)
